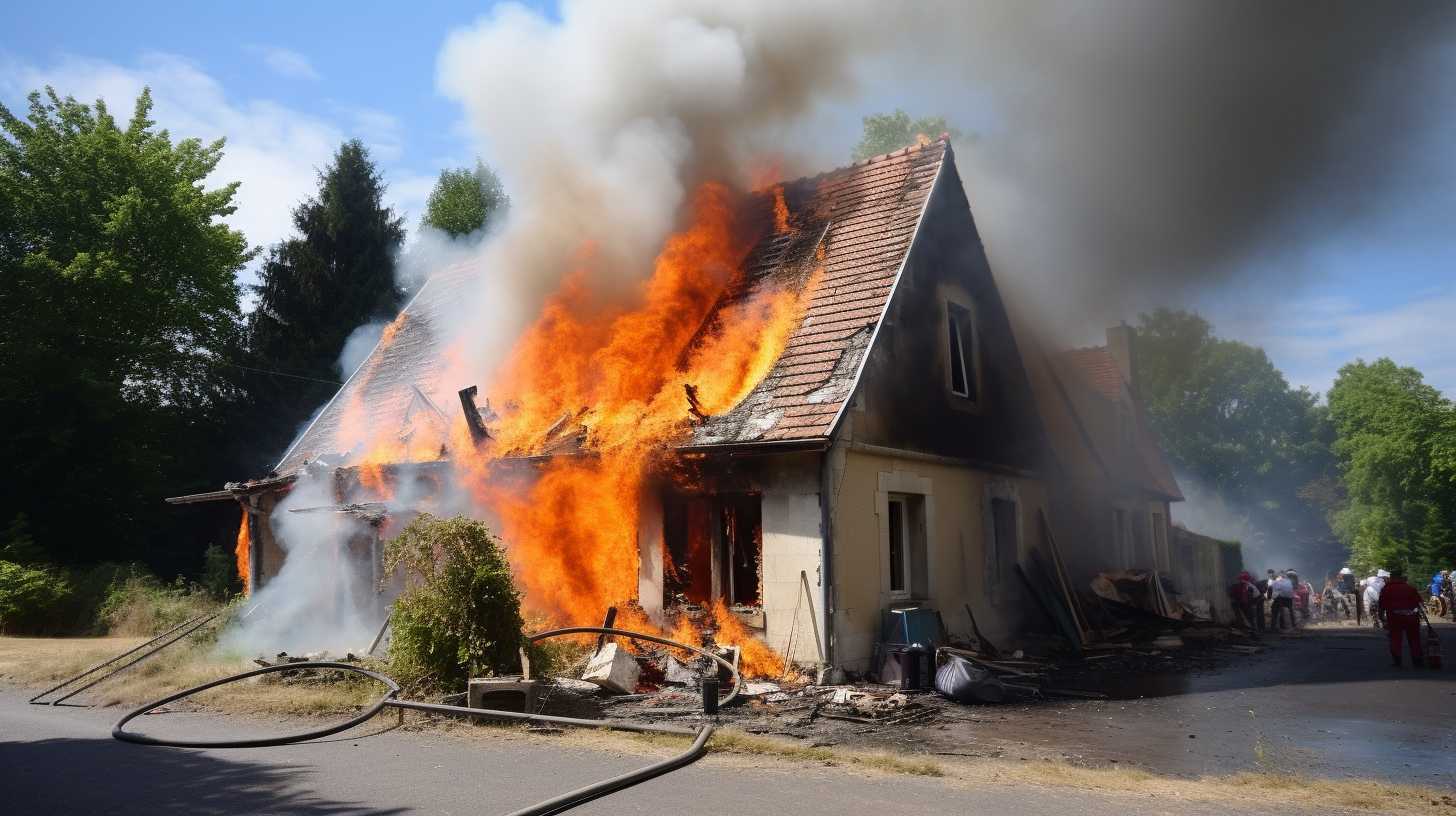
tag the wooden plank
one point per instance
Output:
(1078, 613)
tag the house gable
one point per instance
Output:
(919, 391)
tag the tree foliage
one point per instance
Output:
(120, 304)
(460, 615)
(886, 132)
(465, 201)
(318, 287)
(1228, 417)
(1397, 451)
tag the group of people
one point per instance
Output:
(1279, 601)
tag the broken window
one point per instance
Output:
(713, 549)
(961, 345)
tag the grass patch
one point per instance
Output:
(737, 742)
(41, 662)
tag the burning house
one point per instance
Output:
(817, 410)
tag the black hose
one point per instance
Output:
(103, 664)
(119, 730)
(554, 805)
(581, 796)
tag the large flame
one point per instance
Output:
(615, 378)
(240, 552)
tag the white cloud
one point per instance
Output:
(274, 150)
(284, 62)
(1317, 336)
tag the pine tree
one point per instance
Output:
(336, 275)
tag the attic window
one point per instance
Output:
(962, 350)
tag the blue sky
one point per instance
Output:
(286, 82)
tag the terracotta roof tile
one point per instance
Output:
(865, 215)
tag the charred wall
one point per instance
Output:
(906, 392)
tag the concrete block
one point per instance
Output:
(614, 669)
(502, 693)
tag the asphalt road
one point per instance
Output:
(63, 760)
(1326, 703)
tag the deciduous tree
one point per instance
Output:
(119, 301)
(1396, 435)
(464, 201)
(886, 132)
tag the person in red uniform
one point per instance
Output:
(1401, 604)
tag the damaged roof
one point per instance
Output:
(865, 217)
(395, 384)
(857, 223)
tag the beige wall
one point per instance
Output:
(793, 543)
(957, 500)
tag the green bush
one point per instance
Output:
(139, 603)
(219, 573)
(460, 613)
(32, 599)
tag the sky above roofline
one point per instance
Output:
(285, 83)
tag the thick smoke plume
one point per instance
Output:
(1122, 154)
(323, 598)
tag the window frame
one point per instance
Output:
(961, 320)
(906, 551)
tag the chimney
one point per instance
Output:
(1122, 345)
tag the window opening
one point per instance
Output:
(962, 359)
(899, 546)
(712, 548)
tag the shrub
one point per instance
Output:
(31, 598)
(219, 573)
(139, 603)
(460, 614)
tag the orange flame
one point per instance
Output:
(754, 658)
(240, 552)
(613, 377)
(781, 210)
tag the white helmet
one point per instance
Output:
(1382, 574)
(1346, 571)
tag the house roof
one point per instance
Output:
(1103, 402)
(864, 217)
(855, 224)
(396, 386)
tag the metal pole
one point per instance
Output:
(139, 658)
(133, 650)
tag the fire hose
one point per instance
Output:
(557, 804)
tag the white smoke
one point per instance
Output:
(324, 597)
(602, 122)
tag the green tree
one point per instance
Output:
(1228, 417)
(119, 301)
(337, 274)
(465, 200)
(460, 614)
(886, 132)
(1395, 437)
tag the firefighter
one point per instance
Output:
(1400, 604)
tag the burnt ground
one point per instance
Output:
(1324, 702)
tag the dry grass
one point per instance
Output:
(41, 662)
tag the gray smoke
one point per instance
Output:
(1122, 154)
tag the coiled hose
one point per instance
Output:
(557, 804)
